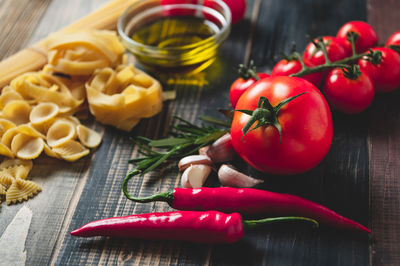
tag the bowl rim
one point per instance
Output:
(219, 36)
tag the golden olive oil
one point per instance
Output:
(181, 42)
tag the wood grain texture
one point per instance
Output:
(384, 143)
(18, 23)
(90, 189)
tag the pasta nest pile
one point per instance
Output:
(37, 108)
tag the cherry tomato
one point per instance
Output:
(367, 37)
(394, 41)
(386, 74)
(288, 67)
(178, 11)
(240, 85)
(334, 49)
(348, 95)
(306, 126)
(237, 7)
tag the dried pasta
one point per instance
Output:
(88, 137)
(81, 53)
(21, 190)
(37, 108)
(60, 132)
(37, 87)
(122, 97)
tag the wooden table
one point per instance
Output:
(359, 178)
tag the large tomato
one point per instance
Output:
(385, 73)
(287, 67)
(367, 37)
(305, 122)
(349, 91)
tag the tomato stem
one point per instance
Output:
(265, 114)
(352, 37)
(248, 72)
(351, 72)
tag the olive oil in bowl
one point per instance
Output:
(175, 38)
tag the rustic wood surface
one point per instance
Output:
(358, 178)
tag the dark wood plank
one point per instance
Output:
(340, 182)
(384, 146)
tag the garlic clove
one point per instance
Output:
(185, 162)
(203, 150)
(185, 180)
(230, 177)
(195, 175)
(221, 150)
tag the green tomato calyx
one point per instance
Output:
(265, 114)
(248, 72)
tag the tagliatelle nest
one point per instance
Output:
(123, 96)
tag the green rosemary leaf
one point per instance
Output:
(168, 142)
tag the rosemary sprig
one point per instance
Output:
(186, 138)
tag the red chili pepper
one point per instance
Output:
(192, 226)
(248, 201)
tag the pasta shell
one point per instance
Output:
(21, 190)
(5, 178)
(27, 147)
(88, 137)
(5, 151)
(43, 113)
(9, 96)
(17, 168)
(71, 151)
(7, 137)
(27, 129)
(6, 124)
(49, 152)
(17, 112)
(59, 133)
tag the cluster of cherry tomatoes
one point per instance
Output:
(347, 90)
(282, 124)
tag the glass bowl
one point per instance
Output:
(175, 38)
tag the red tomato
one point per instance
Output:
(237, 7)
(334, 49)
(386, 74)
(286, 68)
(240, 85)
(178, 11)
(367, 37)
(348, 95)
(394, 40)
(306, 125)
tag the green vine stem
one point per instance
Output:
(352, 37)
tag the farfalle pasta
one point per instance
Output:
(123, 96)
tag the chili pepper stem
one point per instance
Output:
(167, 197)
(249, 224)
